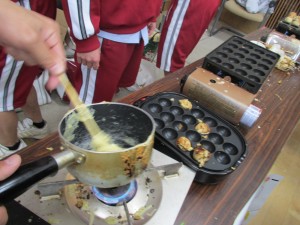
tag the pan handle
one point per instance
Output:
(31, 173)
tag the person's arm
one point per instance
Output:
(84, 22)
(33, 38)
(7, 168)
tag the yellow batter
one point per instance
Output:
(101, 141)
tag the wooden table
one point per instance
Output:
(220, 204)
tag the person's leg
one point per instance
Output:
(32, 109)
(15, 84)
(8, 128)
(13, 94)
(135, 54)
(117, 64)
(167, 73)
(101, 85)
(9, 141)
(165, 46)
(33, 126)
(182, 31)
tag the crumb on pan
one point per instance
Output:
(201, 155)
(202, 127)
(185, 103)
(184, 144)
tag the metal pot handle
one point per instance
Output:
(29, 174)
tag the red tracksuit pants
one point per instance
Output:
(119, 66)
(185, 23)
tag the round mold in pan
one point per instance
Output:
(225, 143)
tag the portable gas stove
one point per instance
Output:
(146, 200)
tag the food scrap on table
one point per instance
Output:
(278, 97)
(285, 63)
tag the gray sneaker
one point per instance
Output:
(27, 130)
(134, 87)
(4, 151)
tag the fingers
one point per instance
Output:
(90, 59)
(52, 83)
(49, 54)
(53, 57)
(47, 59)
(9, 166)
(41, 43)
(95, 66)
(151, 28)
(57, 62)
(3, 216)
(89, 64)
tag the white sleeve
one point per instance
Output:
(252, 6)
(80, 17)
(241, 2)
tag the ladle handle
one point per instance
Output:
(82, 109)
(25, 177)
(70, 90)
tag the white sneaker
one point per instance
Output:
(27, 130)
(134, 87)
(4, 151)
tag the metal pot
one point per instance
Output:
(130, 127)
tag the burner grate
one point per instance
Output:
(160, 197)
(84, 201)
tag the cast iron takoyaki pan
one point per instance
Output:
(246, 63)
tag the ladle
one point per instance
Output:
(85, 115)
